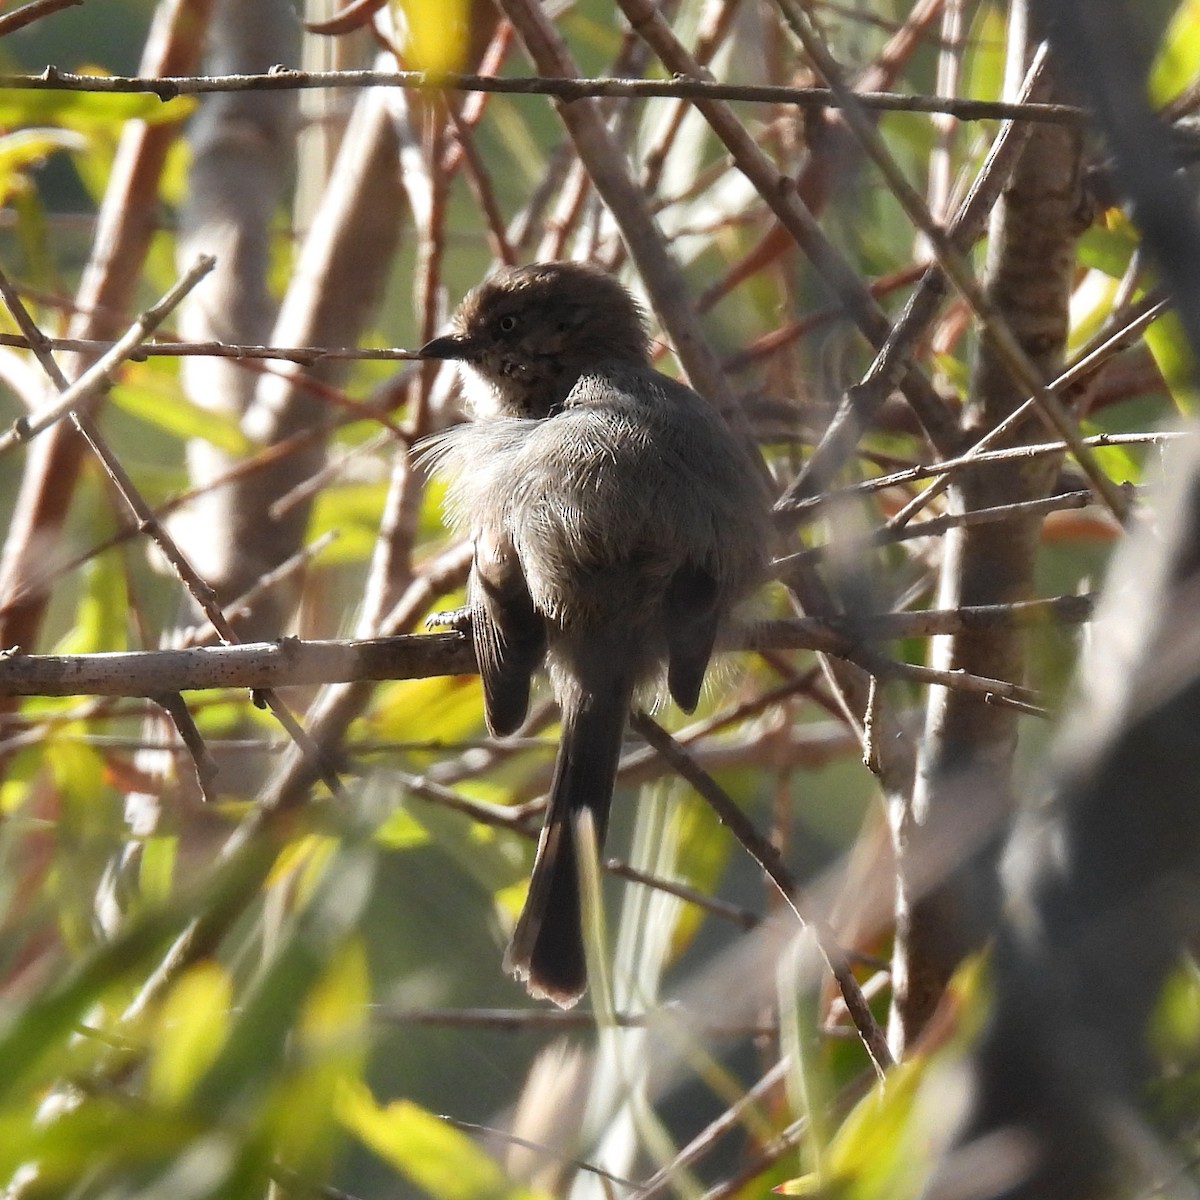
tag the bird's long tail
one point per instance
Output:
(546, 951)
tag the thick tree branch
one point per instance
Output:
(291, 662)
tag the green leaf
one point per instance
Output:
(986, 44)
(35, 1033)
(192, 1027)
(1174, 66)
(330, 1043)
(88, 112)
(25, 148)
(1108, 247)
(1169, 347)
(475, 848)
(353, 510)
(703, 854)
(144, 396)
(401, 831)
(887, 1146)
(444, 709)
(70, 1144)
(439, 1159)
(1175, 1024)
(156, 870)
(103, 611)
(258, 1040)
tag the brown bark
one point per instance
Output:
(967, 757)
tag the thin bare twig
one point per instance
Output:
(33, 11)
(304, 355)
(104, 370)
(941, 471)
(936, 526)
(572, 88)
(1147, 311)
(769, 858)
(731, 1118)
(202, 760)
(521, 1020)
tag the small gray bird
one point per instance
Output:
(615, 520)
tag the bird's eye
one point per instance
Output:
(508, 323)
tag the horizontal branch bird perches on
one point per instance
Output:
(292, 662)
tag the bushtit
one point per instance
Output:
(615, 520)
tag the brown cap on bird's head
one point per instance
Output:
(528, 333)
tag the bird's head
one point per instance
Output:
(526, 335)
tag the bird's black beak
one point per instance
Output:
(448, 347)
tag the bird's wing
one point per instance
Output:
(509, 633)
(691, 615)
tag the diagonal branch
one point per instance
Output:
(954, 263)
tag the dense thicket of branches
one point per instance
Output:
(868, 928)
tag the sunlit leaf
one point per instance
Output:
(1172, 352)
(101, 617)
(401, 831)
(36, 1032)
(142, 396)
(353, 510)
(436, 34)
(331, 1041)
(1117, 462)
(257, 1047)
(156, 869)
(88, 111)
(192, 1026)
(511, 899)
(1108, 246)
(889, 1143)
(1091, 306)
(442, 709)
(703, 854)
(439, 1159)
(986, 41)
(75, 1142)
(24, 148)
(1175, 1024)
(476, 848)
(306, 855)
(1178, 57)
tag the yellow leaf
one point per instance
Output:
(437, 34)
(331, 1038)
(88, 111)
(193, 1025)
(431, 1153)
(27, 147)
(888, 1144)
(1172, 353)
(1179, 55)
(401, 831)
